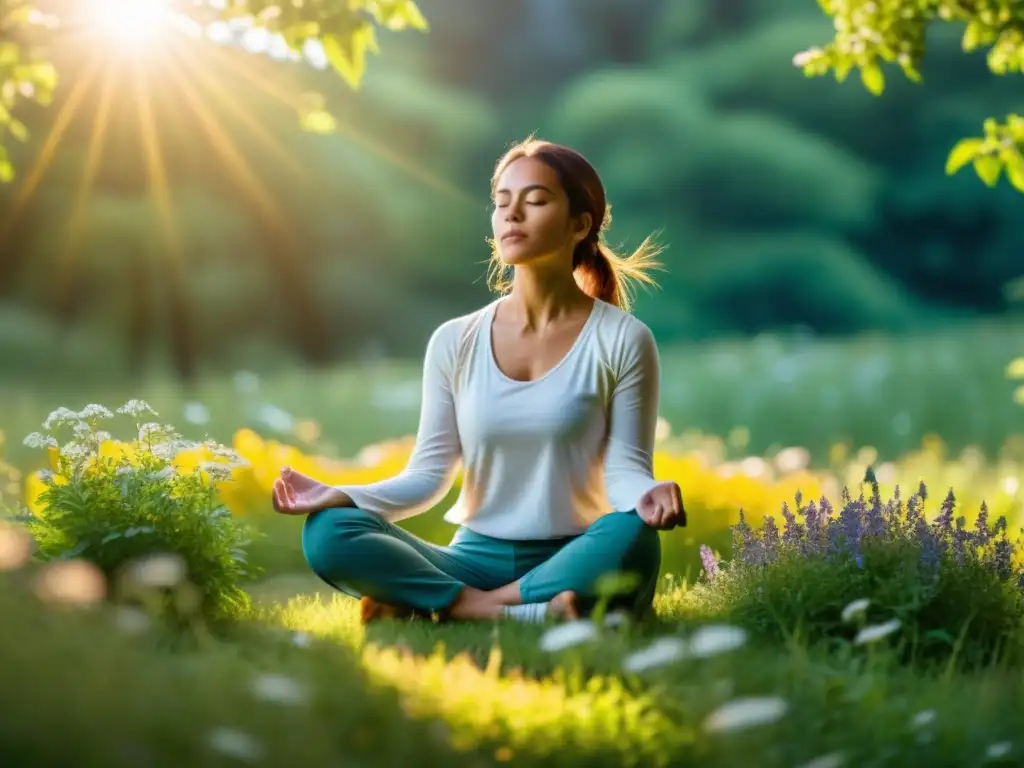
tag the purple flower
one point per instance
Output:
(709, 561)
(771, 538)
(981, 532)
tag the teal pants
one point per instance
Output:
(360, 553)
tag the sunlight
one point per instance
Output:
(133, 21)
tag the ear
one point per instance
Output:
(581, 227)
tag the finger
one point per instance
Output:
(276, 496)
(658, 518)
(289, 494)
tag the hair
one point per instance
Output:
(599, 271)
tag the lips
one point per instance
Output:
(513, 236)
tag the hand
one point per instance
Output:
(662, 507)
(298, 494)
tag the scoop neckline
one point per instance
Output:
(580, 337)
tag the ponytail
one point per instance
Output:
(603, 274)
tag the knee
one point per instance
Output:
(641, 543)
(328, 533)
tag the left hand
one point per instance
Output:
(662, 506)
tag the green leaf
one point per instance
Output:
(348, 56)
(873, 78)
(988, 169)
(1015, 170)
(961, 154)
(18, 130)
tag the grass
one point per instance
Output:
(301, 682)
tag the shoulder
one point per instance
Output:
(623, 335)
(449, 341)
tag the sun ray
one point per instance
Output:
(160, 191)
(76, 228)
(290, 97)
(280, 234)
(232, 105)
(43, 160)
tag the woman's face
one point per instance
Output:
(531, 214)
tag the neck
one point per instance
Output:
(540, 296)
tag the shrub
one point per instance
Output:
(946, 587)
(114, 503)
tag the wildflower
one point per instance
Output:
(566, 635)
(875, 632)
(15, 548)
(998, 750)
(131, 620)
(709, 561)
(301, 640)
(157, 571)
(855, 608)
(59, 417)
(236, 744)
(94, 412)
(136, 408)
(279, 689)
(662, 651)
(981, 532)
(714, 639)
(923, 718)
(831, 760)
(246, 382)
(73, 582)
(744, 713)
(37, 440)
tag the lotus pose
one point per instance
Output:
(548, 399)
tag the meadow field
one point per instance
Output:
(866, 610)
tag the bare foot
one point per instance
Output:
(564, 606)
(473, 604)
(372, 610)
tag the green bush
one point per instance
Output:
(113, 506)
(946, 593)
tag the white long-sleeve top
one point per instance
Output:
(541, 459)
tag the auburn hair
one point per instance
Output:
(599, 271)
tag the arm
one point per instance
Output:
(432, 466)
(633, 420)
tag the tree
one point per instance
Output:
(871, 33)
(345, 29)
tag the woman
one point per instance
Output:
(548, 397)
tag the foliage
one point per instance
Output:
(946, 587)
(112, 503)
(346, 30)
(869, 34)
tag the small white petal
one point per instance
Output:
(301, 640)
(855, 608)
(998, 750)
(716, 638)
(132, 620)
(923, 718)
(745, 713)
(279, 689)
(831, 760)
(876, 632)
(567, 635)
(157, 571)
(662, 651)
(236, 744)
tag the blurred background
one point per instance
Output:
(257, 275)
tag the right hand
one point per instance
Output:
(297, 494)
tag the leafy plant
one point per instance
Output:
(870, 33)
(112, 503)
(946, 587)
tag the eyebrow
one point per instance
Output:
(530, 188)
